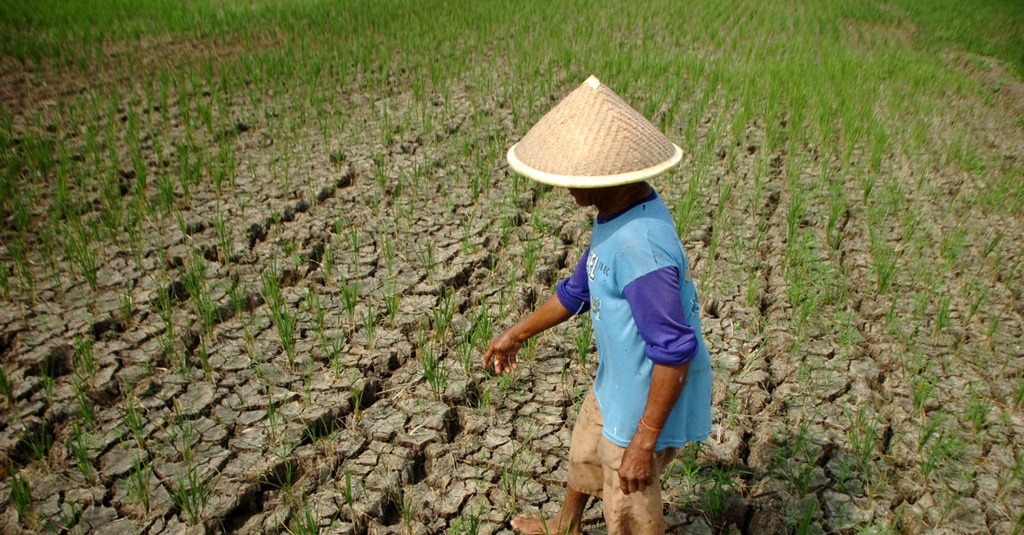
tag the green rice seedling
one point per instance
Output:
(357, 391)
(942, 315)
(938, 447)
(687, 207)
(794, 213)
(347, 492)
(305, 522)
(992, 245)
(465, 352)
(5, 285)
(191, 495)
(327, 262)
(38, 439)
(48, 383)
(241, 303)
(435, 369)
(137, 482)
(292, 251)
(802, 520)
(994, 322)
(21, 499)
(165, 192)
(316, 311)
(530, 259)
(380, 172)
(387, 251)
(922, 390)
(190, 164)
(350, 297)
(716, 494)
(392, 301)
(978, 410)
(979, 294)
(863, 438)
(482, 331)
(82, 358)
(1018, 395)
(126, 305)
(186, 434)
(686, 468)
(443, 313)
(838, 210)
(23, 266)
(427, 259)
(135, 420)
(466, 525)
(224, 166)
(285, 322)
(369, 324)
(6, 389)
(85, 406)
(224, 239)
(80, 451)
(795, 461)
(204, 358)
(885, 267)
(353, 241)
(78, 246)
(405, 504)
(513, 475)
(195, 284)
(183, 225)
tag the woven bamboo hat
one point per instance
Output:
(593, 139)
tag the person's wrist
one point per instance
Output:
(519, 333)
(646, 435)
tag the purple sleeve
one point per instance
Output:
(658, 311)
(574, 291)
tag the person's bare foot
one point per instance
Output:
(535, 525)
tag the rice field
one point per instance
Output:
(251, 254)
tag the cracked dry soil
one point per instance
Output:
(191, 423)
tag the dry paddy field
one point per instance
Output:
(251, 253)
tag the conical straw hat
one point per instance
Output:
(593, 139)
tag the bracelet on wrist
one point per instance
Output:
(648, 426)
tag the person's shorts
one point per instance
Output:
(593, 464)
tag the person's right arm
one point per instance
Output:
(502, 350)
(571, 297)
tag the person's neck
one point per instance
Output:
(619, 198)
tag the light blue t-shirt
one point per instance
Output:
(625, 248)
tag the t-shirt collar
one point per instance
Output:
(608, 218)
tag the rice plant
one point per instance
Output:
(80, 451)
(21, 499)
(285, 321)
(190, 495)
(137, 483)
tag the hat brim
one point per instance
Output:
(591, 181)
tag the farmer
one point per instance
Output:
(652, 392)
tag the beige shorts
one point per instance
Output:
(593, 469)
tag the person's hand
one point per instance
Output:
(501, 353)
(635, 470)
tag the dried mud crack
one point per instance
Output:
(263, 310)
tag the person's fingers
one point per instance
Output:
(508, 363)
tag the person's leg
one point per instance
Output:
(567, 522)
(584, 479)
(639, 513)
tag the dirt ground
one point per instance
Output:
(189, 424)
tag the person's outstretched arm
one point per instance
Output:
(502, 350)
